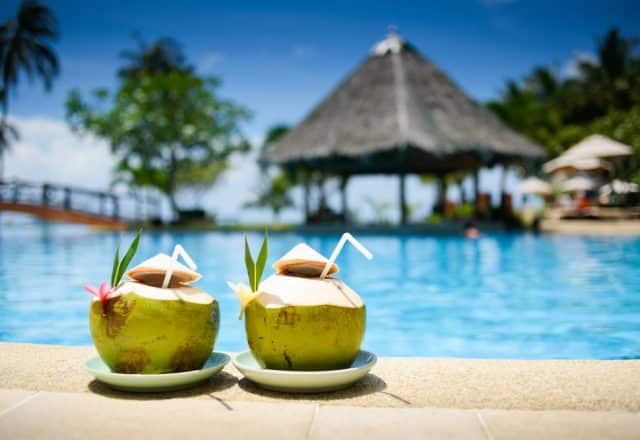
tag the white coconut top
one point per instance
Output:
(284, 290)
(303, 260)
(184, 293)
(153, 270)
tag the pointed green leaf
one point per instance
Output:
(262, 259)
(251, 267)
(133, 248)
(116, 264)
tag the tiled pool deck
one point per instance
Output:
(45, 393)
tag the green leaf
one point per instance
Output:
(133, 248)
(116, 264)
(262, 259)
(251, 267)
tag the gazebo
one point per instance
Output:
(399, 114)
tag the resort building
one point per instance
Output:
(399, 114)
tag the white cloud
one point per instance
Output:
(209, 61)
(48, 151)
(302, 51)
(571, 67)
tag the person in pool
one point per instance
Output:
(470, 229)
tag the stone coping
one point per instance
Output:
(42, 414)
(585, 385)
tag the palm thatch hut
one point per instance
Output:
(398, 113)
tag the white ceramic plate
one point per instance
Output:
(304, 381)
(156, 383)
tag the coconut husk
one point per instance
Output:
(303, 261)
(153, 270)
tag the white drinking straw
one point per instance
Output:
(345, 237)
(177, 251)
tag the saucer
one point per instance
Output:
(156, 383)
(304, 381)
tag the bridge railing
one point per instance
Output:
(125, 207)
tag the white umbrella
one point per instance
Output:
(619, 187)
(563, 163)
(584, 155)
(597, 145)
(578, 183)
(533, 185)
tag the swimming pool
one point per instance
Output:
(502, 296)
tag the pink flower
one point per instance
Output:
(103, 293)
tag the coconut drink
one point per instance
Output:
(155, 322)
(302, 317)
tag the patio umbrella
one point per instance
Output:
(590, 149)
(619, 187)
(571, 163)
(578, 183)
(533, 185)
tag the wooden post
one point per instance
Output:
(307, 195)
(67, 198)
(463, 192)
(322, 202)
(403, 200)
(503, 185)
(476, 185)
(116, 209)
(45, 194)
(16, 192)
(343, 190)
(442, 193)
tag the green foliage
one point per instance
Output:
(120, 266)
(163, 56)
(274, 134)
(462, 211)
(168, 129)
(255, 270)
(380, 209)
(274, 194)
(25, 48)
(273, 191)
(435, 219)
(622, 125)
(558, 112)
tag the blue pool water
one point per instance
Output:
(502, 296)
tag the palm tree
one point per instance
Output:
(24, 48)
(165, 55)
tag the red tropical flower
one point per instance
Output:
(103, 293)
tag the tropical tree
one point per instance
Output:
(25, 49)
(168, 130)
(553, 110)
(273, 194)
(275, 185)
(165, 55)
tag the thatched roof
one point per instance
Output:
(399, 113)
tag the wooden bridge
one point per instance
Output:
(71, 204)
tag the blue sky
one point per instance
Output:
(281, 58)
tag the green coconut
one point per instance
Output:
(147, 329)
(321, 337)
(298, 321)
